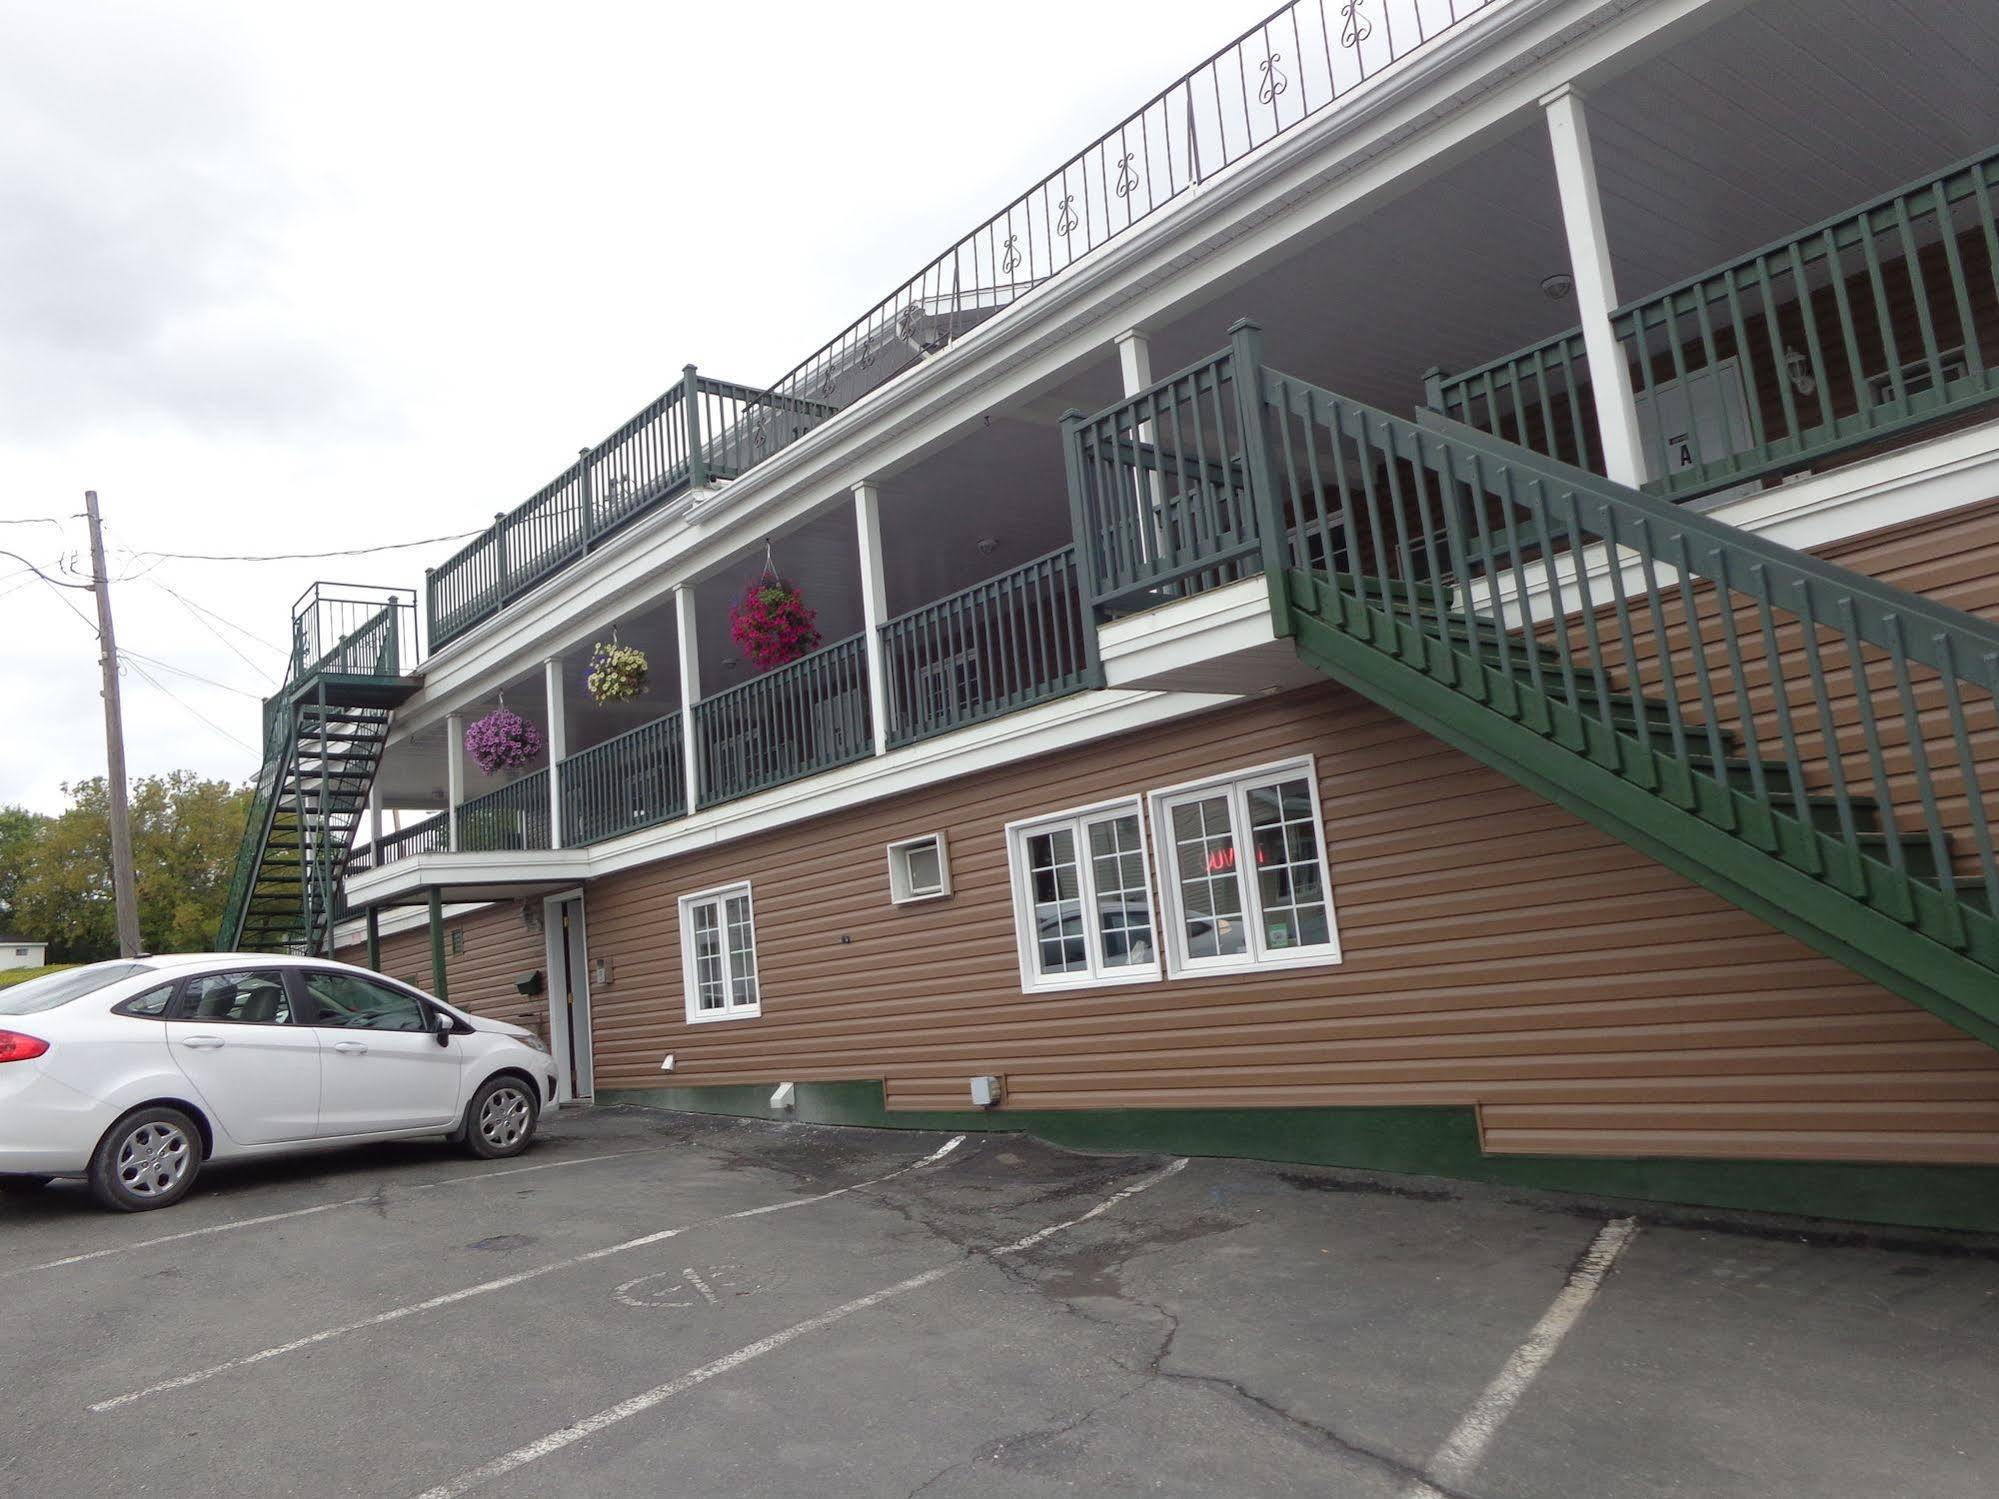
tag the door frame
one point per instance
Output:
(558, 980)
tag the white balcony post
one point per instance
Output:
(375, 814)
(558, 745)
(454, 776)
(1134, 361)
(687, 636)
(1595, 285)
(874, 594)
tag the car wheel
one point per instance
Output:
(500, 1119)
(21, 1186)
(146, 1160)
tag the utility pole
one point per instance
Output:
(122, 886)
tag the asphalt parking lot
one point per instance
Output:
(664, 1304)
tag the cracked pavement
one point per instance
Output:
(1236, 1329)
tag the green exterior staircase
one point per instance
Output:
(324, 733)
(1816, 746)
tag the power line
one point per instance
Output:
(31, 520)
(64, 601)
(192, 676)
(393, 546)
(226, 642)
(155, 682)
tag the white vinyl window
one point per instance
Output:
(718, 955)
(1082, 893)
(1244, 882)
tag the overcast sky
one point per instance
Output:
(279, 279)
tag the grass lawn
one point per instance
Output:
(12, 976)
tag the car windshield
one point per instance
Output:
(53, 989)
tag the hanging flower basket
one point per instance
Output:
(771, 624)
(502, 740)
(617, 672)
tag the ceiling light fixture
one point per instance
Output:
(1557, 287)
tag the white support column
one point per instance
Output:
(375, 813)
(687, 637)
(454, 775)
(874, 595)
(1596, 287)
(558, 745)
(1134, 362)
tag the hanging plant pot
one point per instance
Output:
(617, 672)
(771, 624)
(502, 740)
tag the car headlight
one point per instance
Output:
(533, 1042)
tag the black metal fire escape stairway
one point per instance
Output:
(1817, 746)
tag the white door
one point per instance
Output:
(382, 1067)
(254, 1064)
(568, 999)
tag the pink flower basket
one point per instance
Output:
(771, 624)
(502, 740)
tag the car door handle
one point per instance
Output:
(202, 1043)
(351, 1046)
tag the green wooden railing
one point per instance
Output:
(804, 717)
(1820, 745)
(513, 817)
(634, 781)
(998, 646)
(698, 431)
(432, 835)
(1880, 320)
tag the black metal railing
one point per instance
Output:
(797, 720)
(514, 817)
(1006, 643)
(633, 781)
(1882, 319)
(348, 629)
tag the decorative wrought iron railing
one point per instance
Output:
(1882, 319)
(513, 817)
(1835, 722)
(700, 430)
(1301, 60)
(804, 717)
(633, 781)
(1011, 641)
(432, 835)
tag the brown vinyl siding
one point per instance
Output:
(499, 948)
(1499, 953)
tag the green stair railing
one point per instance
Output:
(1013, 640)
(1821, 746)
(1880, 320)
(635, 780)
(432, 835)
(797, 720)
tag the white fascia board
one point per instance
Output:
(1386, 136)
(1172, 636)
(1807, 514)
(1059, 725)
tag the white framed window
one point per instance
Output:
(919, 869)
(1082, 898)
(718, 955)
(1243, 881)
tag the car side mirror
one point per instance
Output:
(444, 1025)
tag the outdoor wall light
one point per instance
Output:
(1557, 287)
(600, 972)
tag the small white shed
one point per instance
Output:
(19, 952)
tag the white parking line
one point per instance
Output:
(449, 1298)
(624, 1410)
(1453, 1462)
(323, 1207)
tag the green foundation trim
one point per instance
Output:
(1417, 1141)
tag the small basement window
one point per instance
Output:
(918, 869)
(718, 955)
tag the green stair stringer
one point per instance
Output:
(1857, 910)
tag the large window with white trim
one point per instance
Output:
(1243, 883)
(718, 954)
(1083, 898)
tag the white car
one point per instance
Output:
(132, 1074)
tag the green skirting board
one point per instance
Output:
(1439, 1142)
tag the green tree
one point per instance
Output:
(18, 830)
(185, 836)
